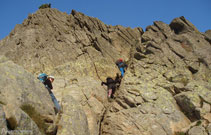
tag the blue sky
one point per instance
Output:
(128, 13)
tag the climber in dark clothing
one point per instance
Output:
(48, 84)
(118, 80)
(121, 65)
(111, 85)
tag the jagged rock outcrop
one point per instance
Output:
(72, 47)
(55, 40)
(173, 70)
(166, 89)
(208, 35)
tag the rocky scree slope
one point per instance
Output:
(166, 89)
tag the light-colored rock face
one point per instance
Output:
(28, 91)
(171, 72)
(73, 119)
(19, 122)
(25, 102)
(89, 93)
(73, 44)
(166, 86)
(26, 106)
(198, 130)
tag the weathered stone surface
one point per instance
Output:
(28, 90)
(180, 25)
(89, 93)
(209, 129)
(19, 122)
(73, 119)
(190, 103)
(164, 28)
(168, 75)
(196, 102)
(3, 124)
(25, 93)
(87, 48)
(156, 113)
(197, 130)
(208, 35)
(207, 117)
(168, 64)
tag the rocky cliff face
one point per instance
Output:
(166, 89)
(26, 107)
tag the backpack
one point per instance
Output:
(42, 77)
(109, 80)
(118, 62)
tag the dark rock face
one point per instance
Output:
(208, 35)
(181, 25)
(166, 88)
